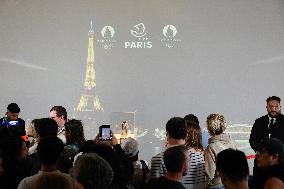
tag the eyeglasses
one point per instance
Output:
(261, 152)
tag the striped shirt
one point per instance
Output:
(195, 177)
(158, 167)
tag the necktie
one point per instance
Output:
(271, 123)
(270, 126)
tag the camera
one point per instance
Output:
(104, 132)
(10, 123)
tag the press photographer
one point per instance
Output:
(11, 124)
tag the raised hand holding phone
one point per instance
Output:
(104, 132)
(113, 140)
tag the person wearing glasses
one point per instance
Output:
(270, 160)
(59, 114)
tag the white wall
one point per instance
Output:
(229, 60)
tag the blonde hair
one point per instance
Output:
(31, 132)
(216, 124)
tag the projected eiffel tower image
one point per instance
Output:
(89, 108)
(89, 101)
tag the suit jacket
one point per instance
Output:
(260, 130)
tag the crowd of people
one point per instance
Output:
(53, 153)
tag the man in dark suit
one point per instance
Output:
(268, 126)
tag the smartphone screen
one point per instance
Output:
(105, 132)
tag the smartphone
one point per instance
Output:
(105, 133)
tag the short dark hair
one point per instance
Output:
(233, 164)
(60, 111)
(191, 118)
(45, 127)
(11, 146)
(49, 150)
(273, 146)
(176, 128)
(16, 145)
(273, 98)
(13, 108)
(174, 158)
